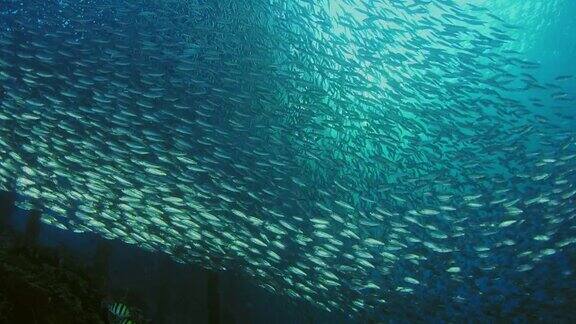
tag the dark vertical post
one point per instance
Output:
(101, 262)
(7, 201)
(213, 298)
(32, 229)
(163, 290)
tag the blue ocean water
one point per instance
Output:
(328, 161)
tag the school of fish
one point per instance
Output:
(370, 157)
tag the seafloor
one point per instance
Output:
(40, 285)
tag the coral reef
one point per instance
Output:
(39, 285)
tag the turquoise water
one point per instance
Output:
(394, 161)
